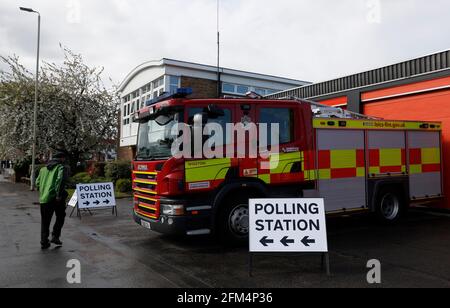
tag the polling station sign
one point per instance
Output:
(287, 225)
(98, 195)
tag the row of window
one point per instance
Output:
(136, 100)
(230, 88)
(152, 87)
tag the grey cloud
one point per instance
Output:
(304, 39)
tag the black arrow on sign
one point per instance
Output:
(96, 202)
(286, 241)
(265, 241)
(106, 201)
(86, 203)
(306, 241)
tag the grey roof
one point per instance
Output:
(427, 64)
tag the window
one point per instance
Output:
(174, 80)
(174, 84)
(242, 89)
(260, 91)
(222, 121)
(284, 117)
(124, 110)
(227, 87)
(158, 83)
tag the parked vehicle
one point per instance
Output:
(355, 163)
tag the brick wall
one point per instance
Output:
(202, 88)
(126, 153)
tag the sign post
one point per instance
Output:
(288, 226)
(98, 196)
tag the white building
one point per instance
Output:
(153, 78)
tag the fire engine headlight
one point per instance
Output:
(172, 210)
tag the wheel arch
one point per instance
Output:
(376, 185)
(247, 187)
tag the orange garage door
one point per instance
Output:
(434, 106)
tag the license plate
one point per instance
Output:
(146, 224)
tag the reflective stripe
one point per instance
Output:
(144, 172)
(265, 178)
(415, 169)
(431, 156)
(146, 182)
(339, 164)
(387, 161)
(361, 172)
(378, 125)
(343, 159)
(282, 163)
(207, 170)
(390, 157)
(424, 160)
(146, 214)
(145, 198)
(145, 191)
(147, 207)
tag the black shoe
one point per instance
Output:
(56, 241)
(45, 246)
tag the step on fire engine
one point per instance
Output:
(354, 162)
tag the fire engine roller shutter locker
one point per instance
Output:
(387, 153)
(341, 171)
(429, 106)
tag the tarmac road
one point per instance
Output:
(115, 252)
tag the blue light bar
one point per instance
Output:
(179, 93)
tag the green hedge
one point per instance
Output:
(118, 170)
(124, 185)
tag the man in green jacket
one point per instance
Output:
(52, 197)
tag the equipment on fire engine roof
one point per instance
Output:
(324, 111)
(179, 93)
(253, 95)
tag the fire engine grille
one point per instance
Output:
(147, 207)
(146, 186)
(147, 210)
(147, 177)
(146, 201)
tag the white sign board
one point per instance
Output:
(98, 195)
(288, 225)
(73, 201)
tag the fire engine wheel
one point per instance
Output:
(238, 220)
(390, 205)
(234, 222)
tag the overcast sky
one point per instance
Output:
(311, 40)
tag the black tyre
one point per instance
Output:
(390, 205)
(234, 221)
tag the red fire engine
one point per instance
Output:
(355, 163)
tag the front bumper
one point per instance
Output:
(188, 224)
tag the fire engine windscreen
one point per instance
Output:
(155, 139)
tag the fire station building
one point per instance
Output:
(417, 89)
(151, 79)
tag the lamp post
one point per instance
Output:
(218, 50)
(33, 163)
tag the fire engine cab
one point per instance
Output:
(354, 162)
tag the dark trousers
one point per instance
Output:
(47, 211)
